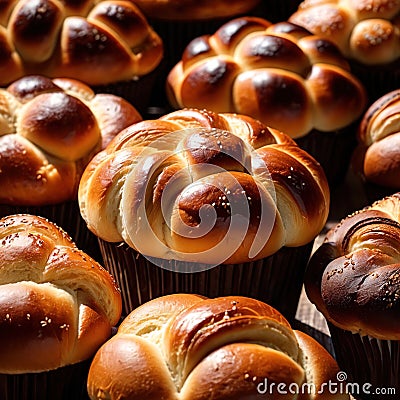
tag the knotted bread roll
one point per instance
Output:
(96, 42)
(353, 278)
(57, 305)
(49, 130)
(280, 74)
(379, 141)
(187, 347)
(204, 187)
(367, 31)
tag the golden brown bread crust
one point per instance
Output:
(377, 157)
(280, 74)
(95, 42)
(189, 10)
(184, 346)
(49, 130)
(204, 187)
(57, 305)
(367, 31)
(353, 278)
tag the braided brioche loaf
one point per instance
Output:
(204, 187)
(353, 278)
(184, 346)
(49, 130)
(280, 74)
(379, 137)
(95, 42)
(57, 305)
(189, 10)
(367, 31)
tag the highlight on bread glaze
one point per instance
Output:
(49, 130)
(205, 188)
(184, 346)
(366, 31)
(354, 276)
(57, 305)
(280, 74)
(96, 42)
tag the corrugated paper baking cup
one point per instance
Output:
(372, 365)
(276, 280)
(66, 383)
